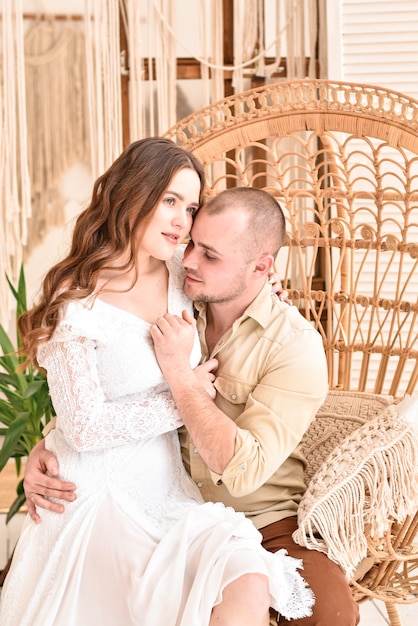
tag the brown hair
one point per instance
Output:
(123, 201)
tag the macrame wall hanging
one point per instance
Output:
(15, 205)
(56, 105)
(154, 43)
(299, 32)
(104, 82)
(73, 101)
(152, 66)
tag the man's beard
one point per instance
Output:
(215, 298)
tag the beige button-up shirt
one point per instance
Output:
(271, 380)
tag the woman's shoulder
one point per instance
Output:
(78, 318)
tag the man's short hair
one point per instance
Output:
(266, 222)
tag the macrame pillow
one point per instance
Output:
(362, 470)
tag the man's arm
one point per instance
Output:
(245, 451)
(41, 476)
(41, 482)
(212, 432)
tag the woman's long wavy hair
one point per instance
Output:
(123, 202)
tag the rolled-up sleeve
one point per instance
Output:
(276, 396)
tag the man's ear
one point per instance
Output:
(264, 264)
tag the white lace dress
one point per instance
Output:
(138, 546)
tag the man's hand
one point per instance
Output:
(41, 482)
(206, 376)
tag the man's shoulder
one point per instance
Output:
(273, 315)
(295, 339)
(287, 317)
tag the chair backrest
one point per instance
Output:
(342, 160)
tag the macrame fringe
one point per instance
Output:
(56, 105)
(383, 487)
(102, 28)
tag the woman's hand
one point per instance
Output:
(173, 338)
(204, 373)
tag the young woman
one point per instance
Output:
(138, 546)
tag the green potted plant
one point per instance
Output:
(25, 403)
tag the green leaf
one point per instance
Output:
(15, 399)
(5, 342)
(20, 297)
(12, 437)
(19, 451)
(8, 379)
(11, 362)
(16, 506)
(20, 294)
(25, 402)
(7, 414)
(33, 388)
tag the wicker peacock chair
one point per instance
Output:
(342, 160)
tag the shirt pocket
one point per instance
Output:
(233, 390)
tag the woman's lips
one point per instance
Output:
(171, 237)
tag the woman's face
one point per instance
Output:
(172, 219)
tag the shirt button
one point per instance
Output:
(243, 467)
(200, 484)
(195, 450)
(234, 396)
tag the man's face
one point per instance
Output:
(214, 260)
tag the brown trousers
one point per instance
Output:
(334, 604)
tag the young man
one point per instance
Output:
(271, 377)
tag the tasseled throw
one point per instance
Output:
(368, 481)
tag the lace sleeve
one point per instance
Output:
(87, 419)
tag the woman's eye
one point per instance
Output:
(170, 201)
(192, 210)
